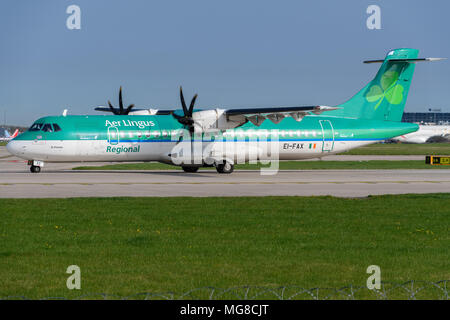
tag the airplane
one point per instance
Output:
(425, 133)
(7, 136)
(193, 138)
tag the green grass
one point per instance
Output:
(130, 245)
(284, 165)
(402, 149)
(3, 143)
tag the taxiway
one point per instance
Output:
(59, 181)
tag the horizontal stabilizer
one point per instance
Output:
(406, 60)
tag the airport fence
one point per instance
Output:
(409, 290)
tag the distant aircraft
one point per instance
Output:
(7, 137)
(424, 134)
(223, 137)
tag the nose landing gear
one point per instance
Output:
(35, 169)
(35, 166)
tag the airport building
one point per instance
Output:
(440, 118)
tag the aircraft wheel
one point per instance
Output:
(35, 169)
(191, 169)
(225, 167)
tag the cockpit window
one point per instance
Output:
(47, 127)
(36, 127)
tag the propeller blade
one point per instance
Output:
(111, 107)
(191, 107)
(120, 100)
(131, 106)
(183, 104)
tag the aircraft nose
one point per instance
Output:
(12, 147)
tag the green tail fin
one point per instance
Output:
(384, 98)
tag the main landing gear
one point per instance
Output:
(191, 169)
(225, 167)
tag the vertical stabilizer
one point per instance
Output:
(15, 134)
(384, 98)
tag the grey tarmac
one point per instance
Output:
(57, 180)
(340, 183)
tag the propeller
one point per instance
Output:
(186, 119)
(121, 110)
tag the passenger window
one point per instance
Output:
(47, 127)
(56, 127)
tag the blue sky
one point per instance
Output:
(232, 53)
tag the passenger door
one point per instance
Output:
(327, 135)
(113, 136)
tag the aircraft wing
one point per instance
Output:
(274, 114)
(223, 119)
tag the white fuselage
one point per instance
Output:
(102, 150)
(161, 138)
